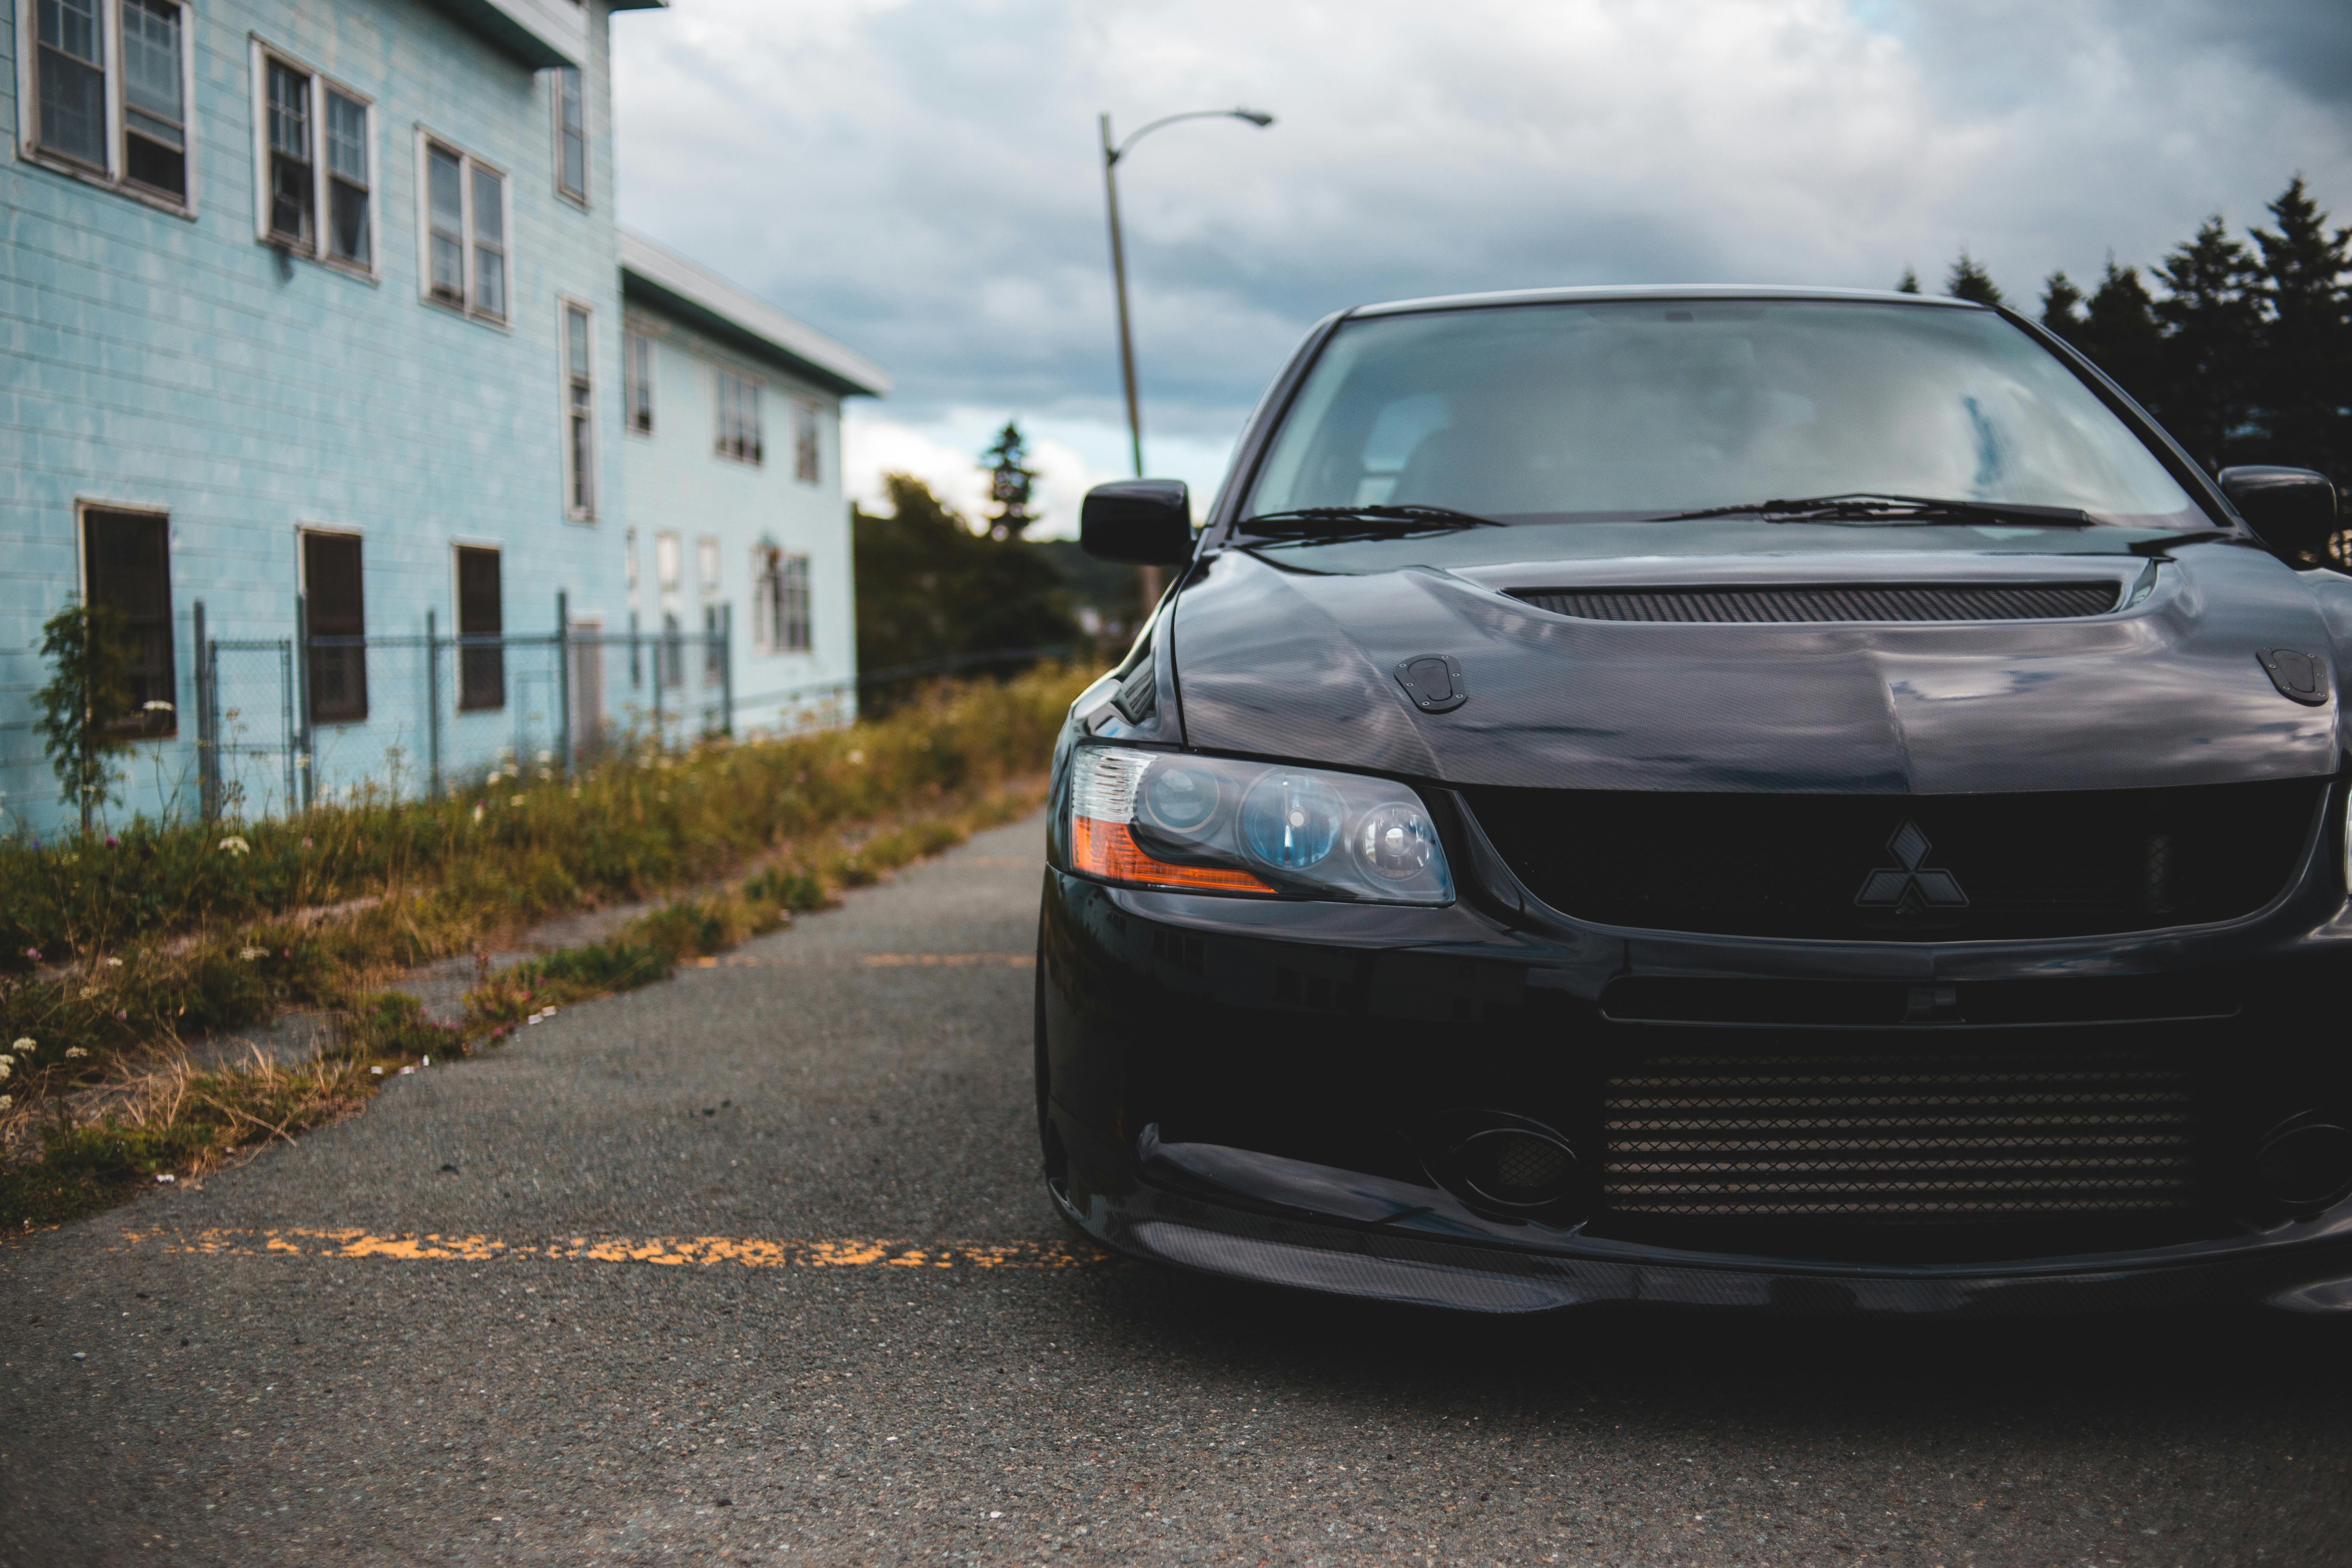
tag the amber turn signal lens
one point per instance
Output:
(1106, 850)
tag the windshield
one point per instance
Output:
(1642, 408)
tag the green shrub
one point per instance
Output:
(794, 890)
(392, 1023)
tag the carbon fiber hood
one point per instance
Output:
(1295, 653)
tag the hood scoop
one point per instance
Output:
(1800, 604)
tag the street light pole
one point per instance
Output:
(1119, 284)
(1112, 151)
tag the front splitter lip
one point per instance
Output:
(1300, 1254)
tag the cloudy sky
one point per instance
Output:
(921, 178)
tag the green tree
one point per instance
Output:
(1011, 482)
(2212, 319)
(929, 588)
(1908, 283)
(2304, 384)
(2121, 335)
(1969, 281)
(2062, 306)
(83, 708)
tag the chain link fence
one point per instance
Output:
(286, 723)
(283, 723)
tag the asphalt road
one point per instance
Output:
(512, 1348)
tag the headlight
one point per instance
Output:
(1209, 824)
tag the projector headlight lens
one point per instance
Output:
(1397, 842)
(1179, 798)
(1291, 819)
(1213, 825)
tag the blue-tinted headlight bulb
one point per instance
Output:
(1290, 821)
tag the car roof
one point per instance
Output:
(1590, 295)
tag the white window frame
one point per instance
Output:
(467, 162)
(579, 198)
(722, 375)
(577, 507)
(111, 176)
(771, 575)
(808, 419)
(638, 380)
(322, 181)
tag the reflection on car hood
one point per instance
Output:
(1277, 657)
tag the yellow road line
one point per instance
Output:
(873, 960)
(673, 1251)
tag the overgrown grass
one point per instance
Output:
(176, 1123)
(171, 933)
(91, 1113)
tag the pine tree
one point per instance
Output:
(1969, 280)
(1909, 283)
(1011, 481)
(2120, 334)
(2305, 382)
(2213, 320)
(2062, 307)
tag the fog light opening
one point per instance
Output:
(1516, 1167)
(2305, 1163)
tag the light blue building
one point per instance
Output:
(738, 521)
(324, 299)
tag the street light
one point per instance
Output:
(1112, 153)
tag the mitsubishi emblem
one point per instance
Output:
(1910, 885)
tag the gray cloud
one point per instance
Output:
(919, 178)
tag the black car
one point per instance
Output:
(1791, 799)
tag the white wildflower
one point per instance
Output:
(7, 1100)
(154, 705)
(857, 759)
(8, 1066)
(546, 757)
(514, 800)
(114, 964)
(234, 843)
(251, 953)
(478, 811)
(22, 1044)
(73, 1051)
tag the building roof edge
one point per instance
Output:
(654, 276)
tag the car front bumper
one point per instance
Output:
(1230, 1085)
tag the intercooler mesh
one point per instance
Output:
(1804, 604)
(1898, 1138)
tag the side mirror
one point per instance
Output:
(2294, 509)
(1147, 522)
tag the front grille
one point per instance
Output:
(1906, 1138)
(1802, 604)
(1904, 867)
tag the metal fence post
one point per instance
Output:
(302, 694)
(563, 680)
(433, 703)
(726, 669)
(286, 703)
(661, 674)
(207, 735)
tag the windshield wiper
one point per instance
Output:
(1335, 525)
(1868, 507)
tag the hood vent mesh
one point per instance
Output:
(1816, 604)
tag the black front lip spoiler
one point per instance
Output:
(1374, 1259)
